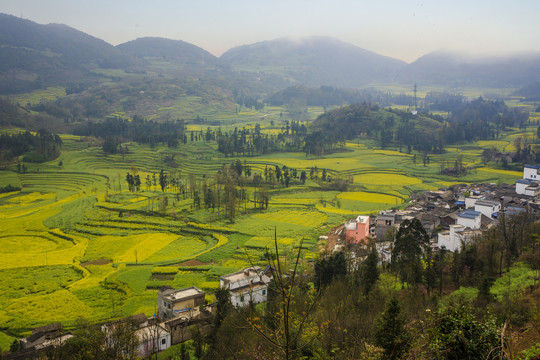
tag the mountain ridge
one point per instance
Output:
(35, 56)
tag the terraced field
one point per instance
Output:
(76, 243)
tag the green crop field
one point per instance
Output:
(76, 243)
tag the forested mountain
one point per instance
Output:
(314, 61)
(176, 52)
(36, 56)
(453, 69)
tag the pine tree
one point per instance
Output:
(390, 331)
(370, 273)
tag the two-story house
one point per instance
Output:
(357, 230)
(183, 302)
(469, 219)
(530, 184)
(249, 285)
(487, 207)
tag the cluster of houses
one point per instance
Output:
(451, 216)
(177, 311)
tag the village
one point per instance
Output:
(451, 217)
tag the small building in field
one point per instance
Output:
(357, 230)
(249, 285)
(173, 303)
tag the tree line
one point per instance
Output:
(138, 129)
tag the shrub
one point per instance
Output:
(164, 270)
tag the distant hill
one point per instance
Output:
(34, 55)
(313, 61)
(530, 92)
(458, 70)
(176, 52)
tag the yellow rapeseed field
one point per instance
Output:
(296, 217)
(44, 309)
(150, 244)
(27, 198)
(497, 144)
(386, 179)
(369, 197)
(93, 276)
(8, 194)
(500, 171)
(392, 153)
(222, 240)
(331, 209)
(24, 258)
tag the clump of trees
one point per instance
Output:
(41, 147)
(424, 132)
(115, 130)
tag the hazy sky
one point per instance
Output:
(402, 29)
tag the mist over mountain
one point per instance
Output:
(314, 61)
(458, 70)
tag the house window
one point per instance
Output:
(264, 292)
(242, 298)
(163, 341)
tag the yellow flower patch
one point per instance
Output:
(331, 209)
(391, 153)
(48, 308)
(369, 197)
(386, 179)
(31, 197)
(148, 246)
(306, 218)
(518, 174)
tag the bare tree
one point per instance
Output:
(287, 334)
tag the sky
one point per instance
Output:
(403, 29)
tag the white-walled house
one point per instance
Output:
(152, 339)
(530, 184)
(469, 219)
(531, 172)
(457, 235)
(487, 207)
(247, 285)
(470, 201)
